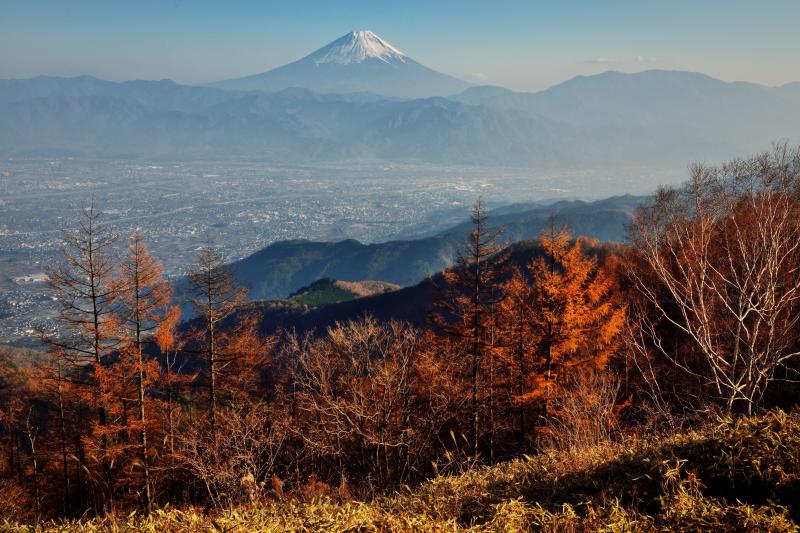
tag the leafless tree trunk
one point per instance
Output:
(724, 252)
(82, 284)
(62, 427)
(471, 291)
(215, 296)
(32, 432)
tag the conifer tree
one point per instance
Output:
(465, 310)
(54, 386)
(143, 298)
(83, 287)
(215, 295)
(173, 381)
(574, 318)
(515, 310)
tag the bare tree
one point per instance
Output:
(234, 464)
(719, 265)
(215, 295)
(32, 432)
(83, 288)
(467, 306)
(371, 404)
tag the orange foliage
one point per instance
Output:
(568, 315)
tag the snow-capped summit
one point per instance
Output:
(360, 61)
(357, 47)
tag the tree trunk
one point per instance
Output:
(63, 432)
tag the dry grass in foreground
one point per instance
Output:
(741, 475)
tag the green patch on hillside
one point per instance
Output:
(741, 475)
(330, 291)
(321, 292)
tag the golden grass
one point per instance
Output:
(741, 475)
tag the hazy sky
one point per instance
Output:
(525, 44)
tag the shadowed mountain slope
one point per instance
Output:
(410, 304)
(286, 266)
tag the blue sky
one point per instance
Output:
(524, 45)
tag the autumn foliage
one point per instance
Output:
(557, 344)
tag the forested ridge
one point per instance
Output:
(571, 384)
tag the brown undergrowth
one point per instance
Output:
(740, 474)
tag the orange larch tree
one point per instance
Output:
(83, 287)
(142, 306)
(518, 341)
(467, 306)
(173, 381)
(574, 319)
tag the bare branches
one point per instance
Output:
(215, 295)
(724, 253)
(467, 305)
(83, 287)
(369, 406)
(234, 464)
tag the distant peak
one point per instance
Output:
(357, 47)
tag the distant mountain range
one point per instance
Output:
(360, 98)
(357, 62)
(285, 267)
(611, 119)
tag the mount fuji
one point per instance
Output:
(360, 61)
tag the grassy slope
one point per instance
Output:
(322, 293)
(741, 475)
(330, 291)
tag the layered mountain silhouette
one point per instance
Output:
(357, 62)
(611, 119)
(287, 266)
(410, 304)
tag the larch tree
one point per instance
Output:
(142, 305)
(82, 285)
(173, 381)
(465, 310)
(54, 384)
(19, 435)
(515, 311)
(13, 392)
(574, 319)
(215, 295)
